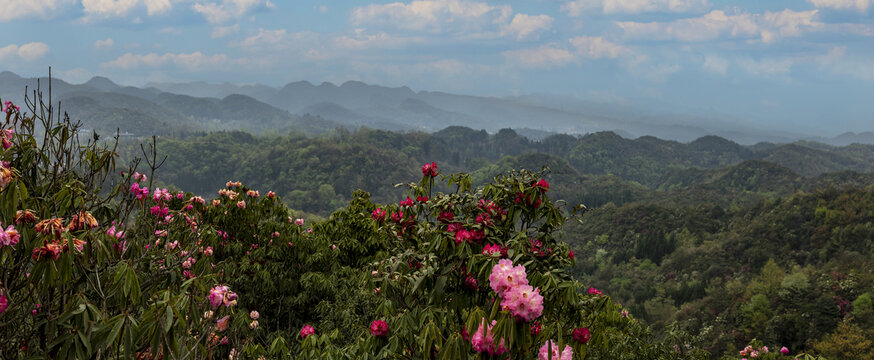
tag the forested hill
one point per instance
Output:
(318, 173)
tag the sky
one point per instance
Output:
(804, 65)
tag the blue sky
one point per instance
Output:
(800, 65)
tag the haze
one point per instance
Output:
(782, 69)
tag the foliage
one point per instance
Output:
(137, 271)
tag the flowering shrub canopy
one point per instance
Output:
(125, 272)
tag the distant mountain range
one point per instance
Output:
(161, 108)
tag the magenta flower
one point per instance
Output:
(307, 330)
(9, 237)
(593, 291)
(463, 236)
(4, 303)
(406, 202)
(222, 295)
(429, 169)
(379, 328)
(378, 215)
(784, 350)
(581, 335)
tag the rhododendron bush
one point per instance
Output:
(100, 262)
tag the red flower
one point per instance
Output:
(581, 335)
(378, 328)
(446, 216)
(535, 328)
(407, 202)
(463, 236)
(571, 255)
(422, 199)
(429, 169)
(593, 291)
(543, 185)
(378, 215)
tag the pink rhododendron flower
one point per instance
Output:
(254, 315)
(8, 237)
(379, 328)
(222, 295)
(571, 254)
(406, 202)
(454, 227)
(253, 325)
(483, 340)
(784, 350)
(241, 204)
(298, 222)
(6, 137)
(546, 354)
(4, 303)
(505, 276)
(223, 323)
(581, 335)
(524, 302)
(307, 330)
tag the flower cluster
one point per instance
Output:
(581, 335)
(8, 237)
(546, 354)
(3, 303)
(6, 137)
(379, 328)
(483, 340)
(495, 250)
(307, 330)
(9, 108)
(222, 295)
(429, 169)
(511, 284)
(378, 215)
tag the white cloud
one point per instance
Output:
(540, 57)
(579, 7)
(191, 61)
(154, 7)
(228, 10)
(108, 8)
(858, 5)
(523, 25)
(22, 9)
(436, 16)
(596, 47)
(715, 64)
(361, 40)
(222, 31)
(767, 27)
(264, 38)
(28, 52)
(104, 44)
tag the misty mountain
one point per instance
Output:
(355, 104)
